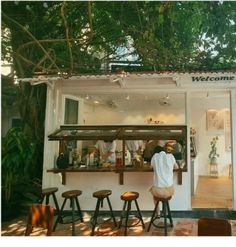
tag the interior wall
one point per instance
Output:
(199, 108)
(139, 115)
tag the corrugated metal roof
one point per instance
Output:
(122, 74)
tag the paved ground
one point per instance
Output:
(182, 227)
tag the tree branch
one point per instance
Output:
(32, 36)
(67, 37)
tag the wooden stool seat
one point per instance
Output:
(71, 193)
(166, 213)
(49, 191)
(102, 193)
(163, 199)
(129, 196)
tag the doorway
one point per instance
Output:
(211, 170)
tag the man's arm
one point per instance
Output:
(176, 166)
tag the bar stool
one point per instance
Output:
(166, 214)
(101, 195)
(73, 196)
(128, 198)
(47, 192)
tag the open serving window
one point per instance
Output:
(70, 135)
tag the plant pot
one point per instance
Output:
(213, 160)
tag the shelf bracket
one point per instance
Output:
(180, 176)
(63, 175)
(121, 177)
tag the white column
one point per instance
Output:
(233, 144)
(187, 122)
(50, 147)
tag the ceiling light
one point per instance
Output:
(87, 97)
(127, 97)
(96, 102)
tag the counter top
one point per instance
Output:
(119, 170)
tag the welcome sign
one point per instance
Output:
(212, 78)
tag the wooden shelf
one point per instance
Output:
(119, 170)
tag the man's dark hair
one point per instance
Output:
(158, 149)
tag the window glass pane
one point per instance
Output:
(71, 111)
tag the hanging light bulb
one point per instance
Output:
(27, 7)
(16, 82)
(45, 5)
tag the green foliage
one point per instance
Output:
(183, 35)
(17, 156)
(213, 153)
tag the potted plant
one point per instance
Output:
(213, 155)
(17, 155)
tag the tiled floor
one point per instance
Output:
(182, 227)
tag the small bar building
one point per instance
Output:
(192, 108)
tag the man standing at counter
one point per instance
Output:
(163, 164)
(106, 150)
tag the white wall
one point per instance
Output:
(204, 137)
(101, 114)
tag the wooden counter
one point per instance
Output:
(120, 171)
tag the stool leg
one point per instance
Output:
(121, 216)
(47, 199)
(127, 217)
(79, 209)
(169, 214)
(112, 215)
(55, 202)
(139, 213)
(153, 216)
(94, 218)
(59, 217)
(165, 220)
(41, 199)
(73, 216)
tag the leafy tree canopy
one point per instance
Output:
(50, 37)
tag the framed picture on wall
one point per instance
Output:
(215, 120)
